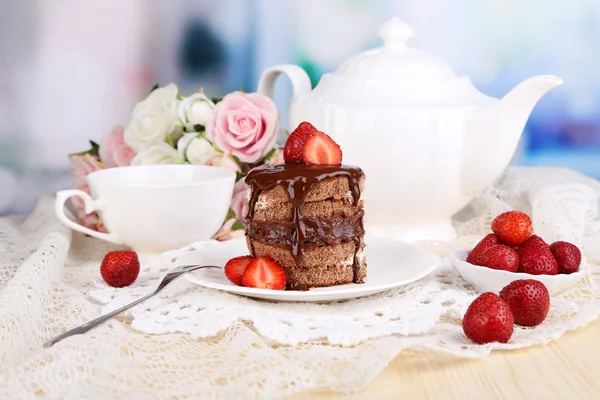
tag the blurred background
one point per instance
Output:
(70, 70)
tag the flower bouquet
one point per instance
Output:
(237, 131)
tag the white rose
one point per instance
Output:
(156, 153)
(195, 110)
(152, 118)
(184, 142)
(199, 151)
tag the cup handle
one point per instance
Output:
(89, 206)
(298, 77)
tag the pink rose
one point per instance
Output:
(92, 221)
(238, 201)
(81, 166)
(224, 160)
(245, 125)
(114, 152)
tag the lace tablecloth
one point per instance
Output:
(198, 343)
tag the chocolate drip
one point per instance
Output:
(298, 179)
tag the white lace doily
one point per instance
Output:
(202, 343)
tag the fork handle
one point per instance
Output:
(88, 326)
(167, 280)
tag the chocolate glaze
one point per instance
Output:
(298, 179)
(318, 231)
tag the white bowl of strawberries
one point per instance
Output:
(512, 252)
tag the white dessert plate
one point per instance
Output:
(390, 263)
(493, 280)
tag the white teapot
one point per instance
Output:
(426, 138)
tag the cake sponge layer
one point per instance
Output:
(327, 276)
(313, 257)
(274, 211)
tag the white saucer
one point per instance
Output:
(492, 280)
(390, 264)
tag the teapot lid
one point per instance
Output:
(397, 75)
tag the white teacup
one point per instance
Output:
(155, 208)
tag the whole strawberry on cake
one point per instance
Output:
(307, 214)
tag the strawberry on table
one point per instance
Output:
(488, 319)
(536, 258)
(486, 243)
(528, 300)
(500, 257)
(120, 268)
(292, 151)
(320, 149)
(264, 273)
(234, 269)
(567, 255)
(512, 227)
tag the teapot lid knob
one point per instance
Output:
(395, 33)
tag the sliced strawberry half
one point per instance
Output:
(234, 269)
(321, 149)
(292, 151)
(264, 273)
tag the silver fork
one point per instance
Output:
(171, 276)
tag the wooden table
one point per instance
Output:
(567, 369)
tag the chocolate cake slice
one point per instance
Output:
(308, 218)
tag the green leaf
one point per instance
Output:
(169, 140)
(199, 128)
(214, 145)
(237, 225)
(179, 161)
(95, 148)
(216, 99)
(270, 153)
(239, 176)
(237, 161)
(156, 86)
(230, 214)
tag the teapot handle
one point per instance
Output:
(300, 80)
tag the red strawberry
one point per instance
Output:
(567, 256)
(292, 151)
(120, 268)
(264, 273)
(536, 258)
(512, 227)
(321, 149)
(488, 319)
(234, 269)
(500, 257)
(528, 300)
(486, 243)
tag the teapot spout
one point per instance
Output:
(492, 134)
